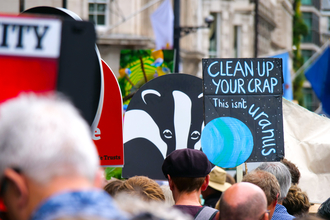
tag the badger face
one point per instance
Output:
(162, 118)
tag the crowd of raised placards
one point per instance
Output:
(49, 169)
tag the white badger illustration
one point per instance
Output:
(158, 123)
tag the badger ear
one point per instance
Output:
(200, 95)
(149, 91)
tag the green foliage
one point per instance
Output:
(122, 83)
(113, 172)
(129, 56)
(300, 29)
(297, 88)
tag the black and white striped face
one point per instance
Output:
(166, 114)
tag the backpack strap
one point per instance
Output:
(206, 213)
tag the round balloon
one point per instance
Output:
(227, 142)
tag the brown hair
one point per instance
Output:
(112, 186)
(188, 184)
(143, 187)
(266, 181)
(296, 202)
(230, 179)
(295, 173)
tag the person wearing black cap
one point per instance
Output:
(187, 171)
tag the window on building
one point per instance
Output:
(97, 11)
(237, 41)
(315, 3)
(312, 22)
(306, 2)
(213, 36)
(306, 54)
(311, 101)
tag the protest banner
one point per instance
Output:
(164, 115)
(79, 64)
(242, 111)
(99, 94)
(108, 123)
(43, 54)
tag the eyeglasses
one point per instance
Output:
(261, 217)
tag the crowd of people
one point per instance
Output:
(49, 170)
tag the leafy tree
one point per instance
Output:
(300, 29)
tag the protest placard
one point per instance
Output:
(242, 111)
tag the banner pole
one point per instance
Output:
(239, 173)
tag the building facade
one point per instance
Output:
(125, 24)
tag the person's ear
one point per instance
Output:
(206, 183)
(276, 199)
(170, 182)
(17, 187)
(100, 181)
(266, 216)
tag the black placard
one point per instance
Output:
(242, 110)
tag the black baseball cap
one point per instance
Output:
(186, 163)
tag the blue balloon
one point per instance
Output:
(227, 142)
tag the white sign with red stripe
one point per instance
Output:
(32, 37)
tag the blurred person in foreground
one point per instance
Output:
(140, 209)
(268, 183)
(243, 201)
(283, 176)
(48, 162)
(217, 185)
(188, 171)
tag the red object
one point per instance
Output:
(2, 206)
(109, 137)
(20, 74)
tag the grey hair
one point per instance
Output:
(45, 137)
(282, 174)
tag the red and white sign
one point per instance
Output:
(108, 123)
(31, 37)
(29, 51)
(30, 60)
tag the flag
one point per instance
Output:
(318, 74)
(162, 23)
(287, 85)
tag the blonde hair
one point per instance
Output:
(143, 187)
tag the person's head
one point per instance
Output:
(324, 210)
(42, 139)
(217, 182)
(187, 170)
(282, 174)
(295, 173)
(168, 195)
(243, 201)
(230, 179)
(268, 183)
(143, 187)
(296, 202)
(112, 186)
